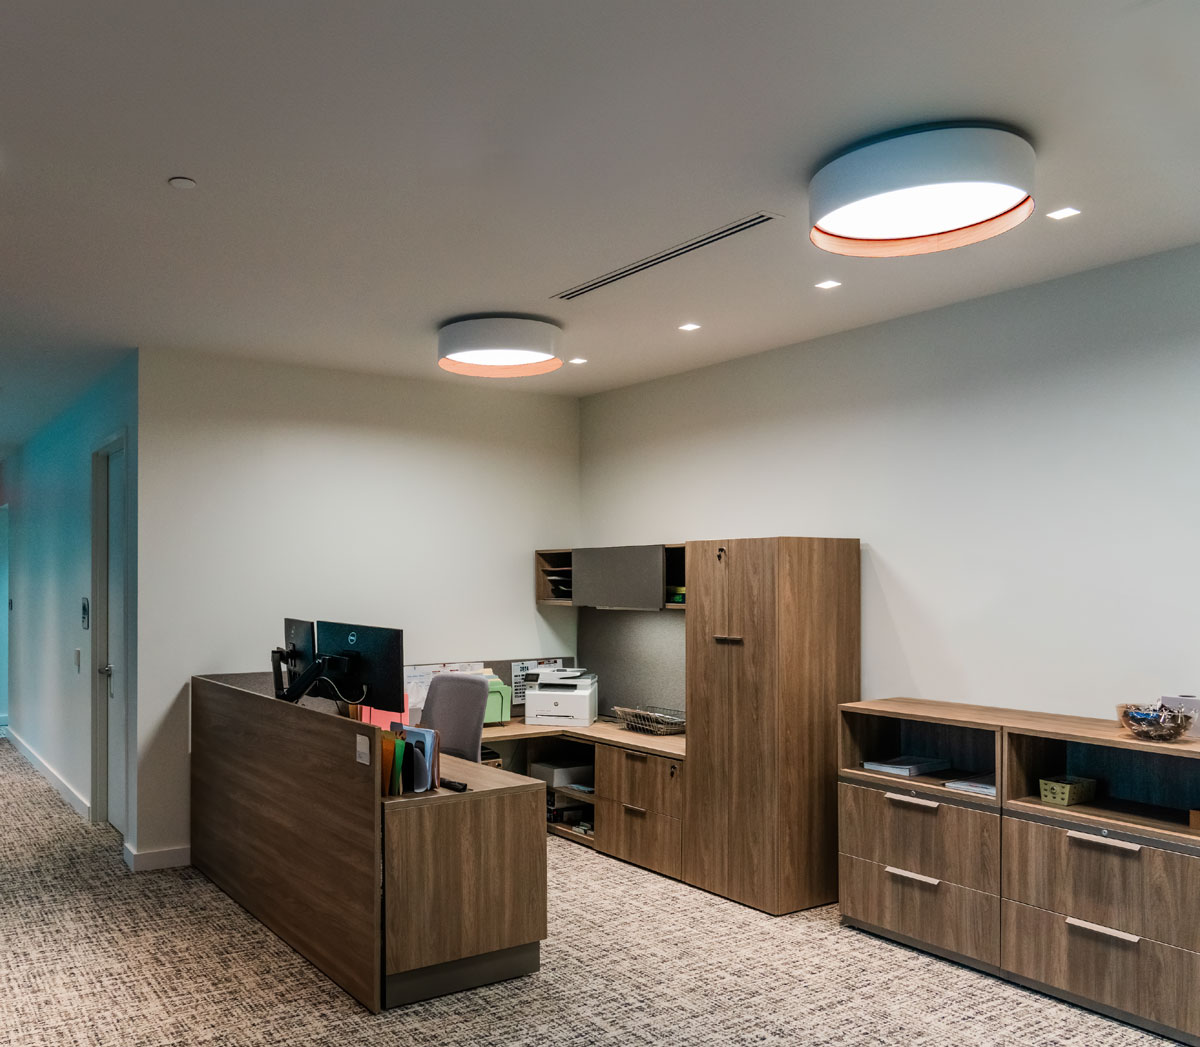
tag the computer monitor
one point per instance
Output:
(365, 664)
(300, 647)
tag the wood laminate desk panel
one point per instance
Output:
(464, 873)
(396, 899)
(670, 745)
(287, 823)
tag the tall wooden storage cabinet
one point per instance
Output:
(772, 649)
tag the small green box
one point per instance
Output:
(1067, 790)
(499, 703)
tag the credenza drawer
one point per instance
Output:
(924, 908)
(654, 841)
(1103, 964)
(923, 835)
(1142, 890)
(654, 783)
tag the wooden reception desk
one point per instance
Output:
(396, 899)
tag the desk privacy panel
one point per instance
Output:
(637, 655)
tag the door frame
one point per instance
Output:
(98, 625)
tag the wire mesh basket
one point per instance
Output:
(652, 719)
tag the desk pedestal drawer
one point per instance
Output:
(1098, 963)
(944, 915)
(1139, 889)
(652, 782)
(651, 840)
(923, 835)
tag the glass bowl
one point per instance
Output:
(1156, 722)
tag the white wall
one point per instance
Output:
(48, 484)
(3, 615)
(268, 492)
(1024, 471)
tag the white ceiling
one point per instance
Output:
(367, 170)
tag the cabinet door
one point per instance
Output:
(730, 833)
(706, 811)
(751, 779)
(627, 577)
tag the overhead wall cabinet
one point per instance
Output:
(621, 578)
(772, 648)
(1095, 902)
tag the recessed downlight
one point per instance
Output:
(577, 360)
(828, 285)
(1063, 212)
(689, 327)
(181, 182)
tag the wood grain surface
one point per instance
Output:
(947, 842)
(653, 783)
(634, 834)
(286, 821)
(1146, 891)
(945, 915)
(465, 877)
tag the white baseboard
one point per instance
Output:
(73, 799)
(165, 858)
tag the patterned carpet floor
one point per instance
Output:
(93, 955)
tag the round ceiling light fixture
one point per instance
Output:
(499, 347)
(922, 190)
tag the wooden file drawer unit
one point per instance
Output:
(1095, 903)
(639, 799)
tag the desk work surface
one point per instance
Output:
(606, 732)
(480, 780)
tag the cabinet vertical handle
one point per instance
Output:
(1108, 932)
(906, 875)
(916, 801)
(1104, 841)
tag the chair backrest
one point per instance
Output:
(454, 707)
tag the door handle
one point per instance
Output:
(106, 670)
(906, 875)
(721, 638)
(1103, 841)
(916, 801)
(630, 754)
(1108, 932)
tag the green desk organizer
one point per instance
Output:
(499, 704)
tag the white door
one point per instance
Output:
(117, 669)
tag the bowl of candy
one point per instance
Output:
(1156, 722)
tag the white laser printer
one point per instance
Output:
(561, 696)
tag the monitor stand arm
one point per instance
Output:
(298, 688)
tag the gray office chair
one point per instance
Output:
(455, 707)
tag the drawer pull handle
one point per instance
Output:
(720, 638)
(906, 875)
(633, 810)
(1104, 841)
(630, 754)
(916, 801)
(1108, 932)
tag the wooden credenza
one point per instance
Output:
(1094, 903)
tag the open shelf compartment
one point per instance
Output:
(1136, 790)
(971, 751)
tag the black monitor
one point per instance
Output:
(300, 647)
(365, 664)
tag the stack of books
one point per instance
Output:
(909, 766)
